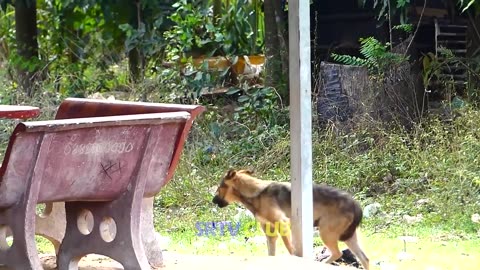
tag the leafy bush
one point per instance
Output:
(376, 56)
(260, 104)
(196, 31)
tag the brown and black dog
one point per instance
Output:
(336, 214)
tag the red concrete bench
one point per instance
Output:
(102, 167)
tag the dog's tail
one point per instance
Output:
(357, 219)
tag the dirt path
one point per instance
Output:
(184, 262)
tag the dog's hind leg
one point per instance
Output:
(272, 234)
(286, 234)
(330, 240)
(287, 240)
(353, 245)
(271, 243)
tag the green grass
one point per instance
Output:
(431, 251)
(437, 163)
(435, 247)
(438, 246)
(44, 246)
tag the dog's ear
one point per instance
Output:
(248, 171)
(230, 174)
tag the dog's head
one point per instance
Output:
(226, 192)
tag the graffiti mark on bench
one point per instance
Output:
(97, 148)
(110, 168)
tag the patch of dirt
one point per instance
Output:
(89, 262)
(184, 262)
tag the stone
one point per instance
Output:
(476, 218)
(371, 210)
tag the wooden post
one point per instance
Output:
(301, 127)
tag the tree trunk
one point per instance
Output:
(27, 45)
(217, 10)
(136, 59)
(282, 33)
(272, 45)
(73, 51)
(134, 64)
(276, 49)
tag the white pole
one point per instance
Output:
(300, 126)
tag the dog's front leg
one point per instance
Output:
(272, 236)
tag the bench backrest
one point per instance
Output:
(88, 158)
(81, 107)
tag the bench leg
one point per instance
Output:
(83, 238)
(150, 237)
(52, 225)
(19, 222)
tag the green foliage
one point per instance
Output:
(76, 35)
(384, 8)
(241, 24)
(431, 68)
(236, 31)
(432, 71)
(199, 33)
(400, 8)
(407, 27)
(259, 103)
(351, 60)
(193, 30)
(377, 58)
(217, 143)
(146, 33)
(465, 5)
(80, 42)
